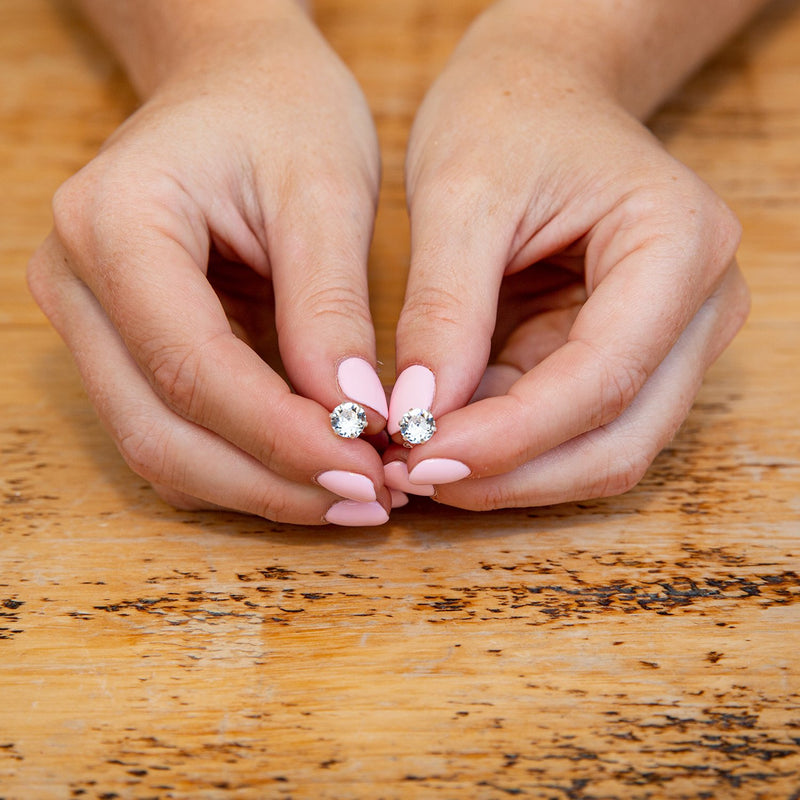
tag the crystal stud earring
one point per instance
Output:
(417, 425)
(348, 420)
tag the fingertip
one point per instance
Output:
(396, 478)
(353, 513)
(415, 388)
(399, 499)
(359, 381)
(438, 470)
(351, 485)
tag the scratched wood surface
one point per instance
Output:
(638, 647)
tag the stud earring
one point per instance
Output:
(348, 420)
(417, 425)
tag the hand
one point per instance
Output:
(565, 270)
(251, 171)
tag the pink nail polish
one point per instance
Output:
(348, 484)
(396, 477)
(350, 512)
(399, 499)
(359, 381)
(439, 470)
(415, 388)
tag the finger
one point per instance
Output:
(448, 315)
(612, 459)
(181, 458)
(144, 264)
(533, 341)
(396, 473)
(496, 381)
(183, 502)
(622, 333)
(399, 499)
(319, 243)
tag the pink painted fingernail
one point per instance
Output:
(353, 513)
(348, 484)
(415, 388)
(396, 477)
(399, 499)
(438, 470)
(359, 381)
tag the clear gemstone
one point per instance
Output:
(417, 425)
(348, 420)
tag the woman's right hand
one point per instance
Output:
(250, 171)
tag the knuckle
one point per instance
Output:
(739, 303)
(622, 380)
(619, 379)
(40, 277)
(495, 496)
(50, 278)
(433, 305)
(625, 469)
(728, 230)
(145, 447)
(275, 506)
(109, 195)
(706, 224)
(330, 302)
(712, 227)
(353, 189)
(323, 189)
(175, 374)
(466, 187)
(270, 449)
(280, 446)
(487, 494)
(444, 180)
(443, 190)
(71, 211)
(178, 500)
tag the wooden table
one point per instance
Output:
(639, 647)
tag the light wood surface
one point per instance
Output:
(639, 647)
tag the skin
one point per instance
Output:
(531, 179)
(248, 171)
(567, 273)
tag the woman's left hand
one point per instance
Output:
(570, 282)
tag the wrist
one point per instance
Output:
(636, 53)
(155, 40)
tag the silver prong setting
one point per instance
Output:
(348, 420)
(417, 425)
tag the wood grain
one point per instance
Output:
(639, 647)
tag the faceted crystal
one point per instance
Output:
(417, 426)
(348, 420)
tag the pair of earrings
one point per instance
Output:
(417, 425)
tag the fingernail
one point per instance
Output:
(399, 499)
(350, 512)
(415, 388)
(359, 381)
(439, 470)
(348, 484)
(396, 477)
